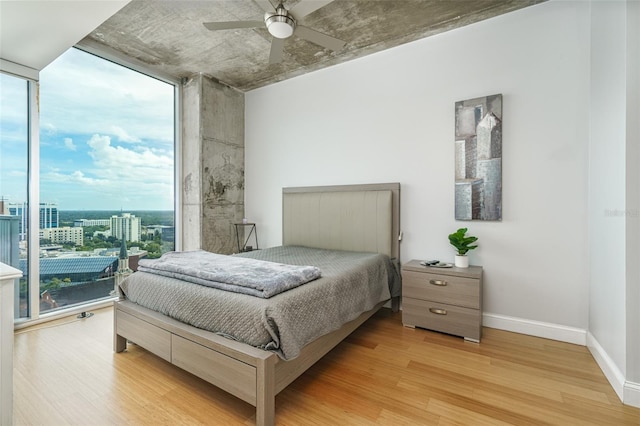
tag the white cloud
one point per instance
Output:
(98, 142)
(83, 94)
(99, 109)
(78, 176)
(48, 128)
(139, 175)
(68, 142)
(141, 164)
(116, 176)
(77, 180)
(123, 136)
(13, 100)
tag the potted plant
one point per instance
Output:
(463, 244)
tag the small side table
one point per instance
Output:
(252, 231)
(448, 300)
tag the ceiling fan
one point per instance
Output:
(282, 24)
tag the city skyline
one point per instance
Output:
(106, 137)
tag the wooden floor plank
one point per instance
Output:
(383, 374)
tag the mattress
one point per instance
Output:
(351, 283)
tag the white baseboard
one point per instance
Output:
(631, 394)
(606, 364)
(546, 330)
(628, 392)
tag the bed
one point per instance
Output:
(362, 221)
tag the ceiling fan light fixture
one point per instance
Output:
(280, 24)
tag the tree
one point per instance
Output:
(53, 284)
(153, 249)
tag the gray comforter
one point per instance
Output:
(351, 283)
(231, 273)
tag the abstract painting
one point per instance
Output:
(478, 156)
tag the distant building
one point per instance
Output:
(79, 269)
(20, 210)
(49, 217)
(134, 254)
(91, 222)
(127, 227)
(63, 235)
(105, 234)
(46, 250)
(123, 264)
(167, 233)
(72, 280)
(9, 241)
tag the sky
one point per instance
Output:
(106, 137)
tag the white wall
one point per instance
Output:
(389, 117)
(607, 207)
(614, 195)
(632, 393)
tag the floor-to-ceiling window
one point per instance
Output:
(105, 179)
(14, 183)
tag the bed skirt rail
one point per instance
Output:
(251, 374)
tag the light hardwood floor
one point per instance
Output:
(383, 374)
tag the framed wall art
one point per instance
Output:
(478, 157)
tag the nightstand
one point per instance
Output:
(443, 299)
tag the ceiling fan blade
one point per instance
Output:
(277, 50)
(305, 7)
(232, 25)
(265, 5)
(319, 38)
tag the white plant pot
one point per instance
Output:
(461, 261)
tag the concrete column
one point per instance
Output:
(213, 164)
(191, 159)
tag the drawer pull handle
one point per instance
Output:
(438, 311)
(438, 282)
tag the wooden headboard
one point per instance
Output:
(346, 217)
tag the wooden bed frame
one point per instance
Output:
(254, 375)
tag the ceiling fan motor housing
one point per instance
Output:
(283, 24)
(280, 24)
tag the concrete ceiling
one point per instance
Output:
(169, 36)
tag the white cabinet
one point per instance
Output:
(8, 275)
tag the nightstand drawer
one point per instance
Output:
(442, 317)
(448, 289)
